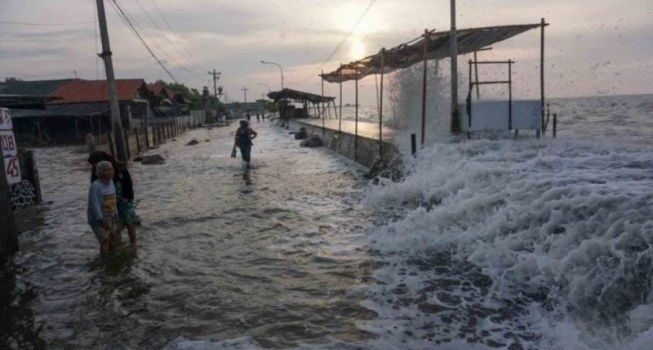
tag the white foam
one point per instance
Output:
(562, 226)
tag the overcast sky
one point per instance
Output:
(594, 47)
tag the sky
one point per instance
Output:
(593, 47)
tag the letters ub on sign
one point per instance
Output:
(9, 148)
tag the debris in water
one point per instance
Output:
(313, 141)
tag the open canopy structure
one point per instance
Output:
(298, 96)
(437, 47)
(433, 45)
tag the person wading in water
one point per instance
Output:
(244, 137)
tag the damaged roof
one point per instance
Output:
(436, 45)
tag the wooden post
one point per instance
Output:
(111, 145)
(126, 138)
(543, 24)
(426, 48)
(478, 86)
(138, 141)
(340, 114)
(322, 92)
(471, 86)
(509, 94)
(453, 53)
(356, 121)
(8, 234)
(146, 125)
(381, 105)
(413, 144)
(555, 125)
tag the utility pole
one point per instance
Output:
(216, 77)
(116, 122)
(453, 50)
(245, 91)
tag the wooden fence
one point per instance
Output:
(143, 137)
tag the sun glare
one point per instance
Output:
(357, 49)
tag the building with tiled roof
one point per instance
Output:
(78, 107)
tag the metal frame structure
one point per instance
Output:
(432, 45)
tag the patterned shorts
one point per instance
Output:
(101, 233)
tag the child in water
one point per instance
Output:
(102, 210)
(124, 192)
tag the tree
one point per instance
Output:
(12, 80)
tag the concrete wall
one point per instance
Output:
(343, 143)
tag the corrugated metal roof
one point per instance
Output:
(412, 52)
(32, 88)
(85, 91)
(63, 110)
(23, 101)
(296, 95)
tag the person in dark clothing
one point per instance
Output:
(243, 140)
(124, 190)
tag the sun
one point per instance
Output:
(357, 49)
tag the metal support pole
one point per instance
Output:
(478, 87)
(340, 114)
(543, 24)
(356, 122)
(509, 95)
(381, 105)
(555, 125)
(323, 114)
(453, 51)
(114, 106)
(426, 49)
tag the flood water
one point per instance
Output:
(264, 255)
(488, 243)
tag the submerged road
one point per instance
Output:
(262, 256)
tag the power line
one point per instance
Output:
(151, 20)
(44, 24)
(351, 32)
(190, 55)
(158, 46)
(131, 25)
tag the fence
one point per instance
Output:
(145, 135)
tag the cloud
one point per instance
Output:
(232, 36)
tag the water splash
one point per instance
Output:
(561, 231)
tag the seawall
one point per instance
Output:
(365, 151)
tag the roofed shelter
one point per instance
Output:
(287, 99)
(433, 45)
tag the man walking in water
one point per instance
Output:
(243, 140)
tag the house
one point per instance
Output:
(79, 107)
(167, 102)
